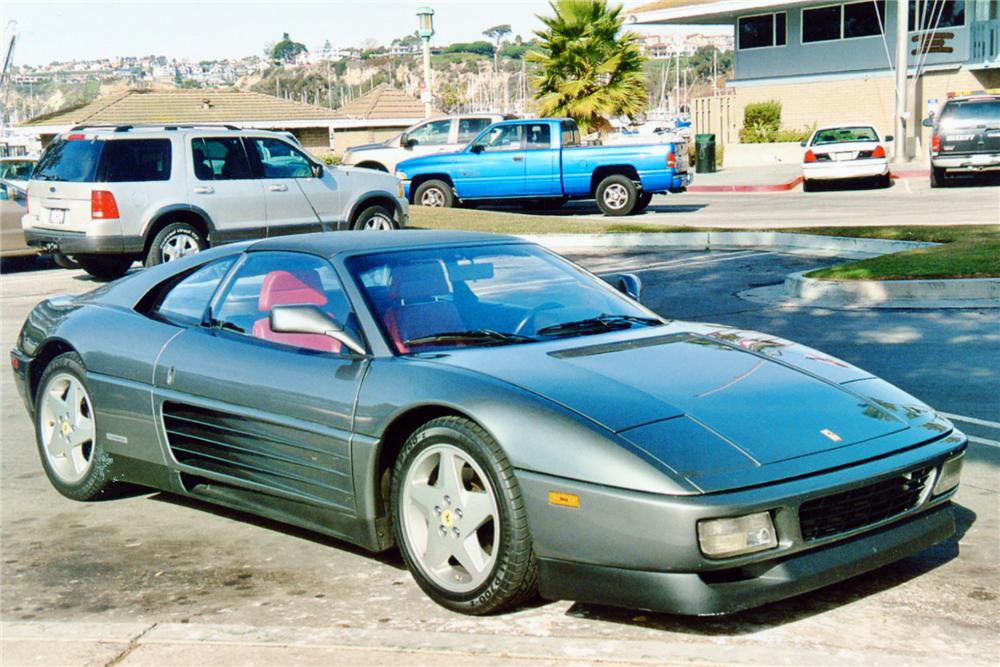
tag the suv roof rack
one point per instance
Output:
(165, 126)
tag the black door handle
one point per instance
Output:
(518, 158)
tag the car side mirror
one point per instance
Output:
(804, 143)
(927, 122)
(628, 284)
(476, 148)
(888, 138)
(317, 171)
(406, 142)
(308, 319)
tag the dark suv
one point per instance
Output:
(966, 136)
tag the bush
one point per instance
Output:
(329, 159)
(762, 125)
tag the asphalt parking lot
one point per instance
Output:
(158, 561)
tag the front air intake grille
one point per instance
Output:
(843, 512)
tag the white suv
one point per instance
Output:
(107, 196)
(438, 135)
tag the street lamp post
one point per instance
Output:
(425, 15)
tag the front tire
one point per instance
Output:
(375, 218)
(460, 521)
(938, 177)
(176, 240)
(617, 195)
(104, 267)
(435, 194)
(66, 432)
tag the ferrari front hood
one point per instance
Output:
(761, 407)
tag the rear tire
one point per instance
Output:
(435, 194)
(808, 185)
(643, 202)
(375, 218)
(176, 240)
(104, 267)
(66, 432)
(617, 195)
(884, 181)
(938, 177)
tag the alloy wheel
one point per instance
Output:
(66, 418)
(615, 196)
(432, 197)
(179, 245)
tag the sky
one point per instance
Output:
(214, 29)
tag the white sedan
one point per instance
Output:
(839, 152)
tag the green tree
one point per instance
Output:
(497, 33)
(286, 50)
(589, 68)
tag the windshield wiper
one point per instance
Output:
(601, 323)
(487, 336)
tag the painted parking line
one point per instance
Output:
(983, 441)
(971, 420)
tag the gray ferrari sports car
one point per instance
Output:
(512, 423)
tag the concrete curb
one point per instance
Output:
(912, 294)
(971, 292)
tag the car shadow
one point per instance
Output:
(577, 208)
(793, 609)
(848, 184)
(392, 557)
(970, 180)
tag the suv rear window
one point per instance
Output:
(971, 112)
(105, 161)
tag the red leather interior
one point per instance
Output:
(417, 309)
(284, 288)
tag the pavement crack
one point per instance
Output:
(132, 645)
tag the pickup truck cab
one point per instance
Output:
(543, 160)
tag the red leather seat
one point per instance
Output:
(284, 288)
(417, 307)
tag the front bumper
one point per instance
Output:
(641, 550)
(703, 594)
(824, 171)
(970, 163)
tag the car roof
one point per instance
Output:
(326, 244)
(168, 129)
(835, 126)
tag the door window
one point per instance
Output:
(434, 133)
(502, 138)
(187, 300)
(469, 128)
(269, 279)
(135, 160)
(537, 136)
(220, 159)
(281, 160)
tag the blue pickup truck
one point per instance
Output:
(542, 160)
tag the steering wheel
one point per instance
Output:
(531, 314)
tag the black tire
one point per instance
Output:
(621, 185)
(444, 194)
(174, 233)
(104, 267)
(884, 181)
(375, 215)
(514, 575)
(643, 202)
(808, 186)
(938, 177)
(65, 261)
(97, 482)
(374, 166)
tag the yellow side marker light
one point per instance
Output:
(563, 499)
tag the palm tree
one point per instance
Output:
(590, 69)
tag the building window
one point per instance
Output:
(763, 30)
(936, 14)
(821, 24)
(864, 19)
(846, 21)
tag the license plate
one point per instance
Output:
(57, 216)
(840, 157)
(982, 159)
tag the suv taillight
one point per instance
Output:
(103, 205)
(935, 143)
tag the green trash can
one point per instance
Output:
(704, 148)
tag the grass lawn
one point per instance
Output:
(967, 251)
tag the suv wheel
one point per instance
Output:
(375, 218)
(436, 194)
(176, 240)
(938, 177)
(617, 195)
(104, 267)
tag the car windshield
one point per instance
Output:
(488, 295)
(971, 113)
(839, 135)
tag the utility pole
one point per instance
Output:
(902, 37)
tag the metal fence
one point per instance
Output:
(716, 115)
